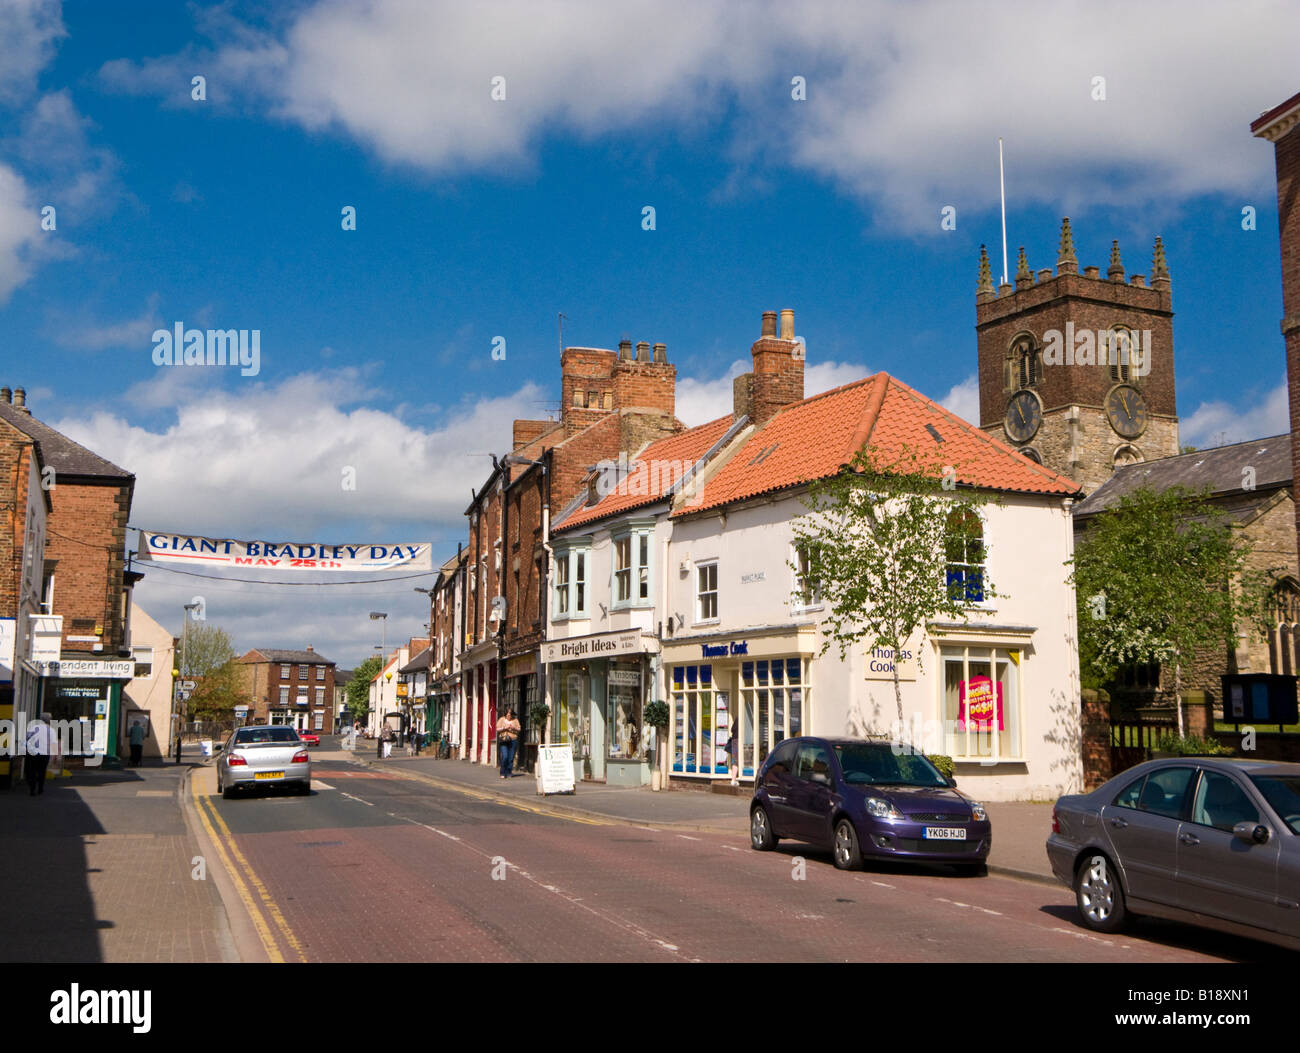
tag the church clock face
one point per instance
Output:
(1024, 415)
(1126, 410)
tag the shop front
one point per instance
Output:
(597, 689)
(521, 695)
(86, 695)
(733, 697)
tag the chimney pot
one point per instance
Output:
(661, 353)
(769, 323)
(20, 399)
(643, 350)
(787, 324)
(6, 396)
(625, 350)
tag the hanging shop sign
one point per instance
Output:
(289, 555)
(87, 669)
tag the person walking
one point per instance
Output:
(507, 739)
(386, 741)
(136, 737)
(39, 742)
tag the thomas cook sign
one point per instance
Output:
(881, 662)
(287, 555)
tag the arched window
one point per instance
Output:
(1127, 454)
(965, 555)
(1026, 363)
(1032, 454)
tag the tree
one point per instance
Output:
(358, 689)
(1157, 577)
(209, 660)
(890, 545)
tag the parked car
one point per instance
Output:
(1208, 840)
(862, 799)
(263, 755)
(309, 737)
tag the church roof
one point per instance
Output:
(1223, 470)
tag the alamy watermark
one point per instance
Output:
(179, 346)
(656, 477)
(1115, 347)
(75, 738)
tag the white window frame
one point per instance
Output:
(700, 618)
(802, 597)
(136, 652)
(639, 571)
(284, 695)
(985, 603)
(320, 672)
(1013, 709)
(286, 670)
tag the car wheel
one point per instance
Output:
(972, 869)
(227, 792)
(848, 854)
(304, 788)
(760, 830)
(1098, 894)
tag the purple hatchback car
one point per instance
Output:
(861, 799)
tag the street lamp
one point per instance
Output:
(177, 716)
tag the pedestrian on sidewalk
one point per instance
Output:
(39, 743)
(507, 739)
(386, 742)
(136, 737)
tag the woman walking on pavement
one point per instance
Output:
(507, 740)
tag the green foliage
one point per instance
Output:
(538, 714)
(944, 764)
(890, 541)
(209, 660)
(1154, 579)
(655, 714)
(206, 649)
(1192, 746)
(357, 692)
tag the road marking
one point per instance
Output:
(259, 923)
(684, 837)
(882, 884)
(969, 906)
(272, 908)
(316, 784)
(731, 848)
(349, 796)
(1084, 936)
(495, 798)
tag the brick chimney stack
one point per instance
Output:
(778, 369)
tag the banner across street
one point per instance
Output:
(288, 555)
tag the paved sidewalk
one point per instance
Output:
(1019, 829)
(98, 869)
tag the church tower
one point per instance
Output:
(1077, 370)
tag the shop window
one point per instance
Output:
(706, 597)
(701, 722)
(632, 569)
(964, 549)
(770, 708)
(981, 703)
(807, 584)
(623, 709)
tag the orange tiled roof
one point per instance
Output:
(815, 438)
(653, 472)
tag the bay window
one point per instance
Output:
(631, 580)
(569, 588)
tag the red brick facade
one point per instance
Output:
(263, 673)
(1281, 127)
(87, 539)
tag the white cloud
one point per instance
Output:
(1217, 423)
(20, 231)
(904, 105)
(29, 34)
(271, 457)
(964, 399)
(131, 333)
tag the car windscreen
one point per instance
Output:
(275, 733)
(1283, 793)
(870, 764)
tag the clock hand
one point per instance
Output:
(1021, 412)
(1124, 402)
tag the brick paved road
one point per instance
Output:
(373, 867)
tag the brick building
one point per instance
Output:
(612, 402)
(1281, 127)
(80, 642)
(1078, 413)
(290, 687)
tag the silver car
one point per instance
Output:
(263, 755)
(1205, 840)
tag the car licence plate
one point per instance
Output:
(269, 775)
(945, 833)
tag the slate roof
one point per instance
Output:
(651, 474)
(420, 661)
(269, 654)
(1220, 469)
(58, 451)
(815, 438)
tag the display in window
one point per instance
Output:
(980, 705)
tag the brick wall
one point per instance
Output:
(1287, 159)
(777, 378)
(87, 535)
(16, 458)
(647, 386)
(589, 371)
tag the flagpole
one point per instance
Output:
(1002, 183)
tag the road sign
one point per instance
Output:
(188, 685)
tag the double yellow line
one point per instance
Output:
(260, 907)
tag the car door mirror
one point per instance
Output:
(951, 781)
(1251, 833)
(821, 778)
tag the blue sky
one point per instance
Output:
(479, 218)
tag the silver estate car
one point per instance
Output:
(1205, 840)
(263, 755)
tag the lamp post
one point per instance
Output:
(428, 675)
(381, 616)
(177, 715)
